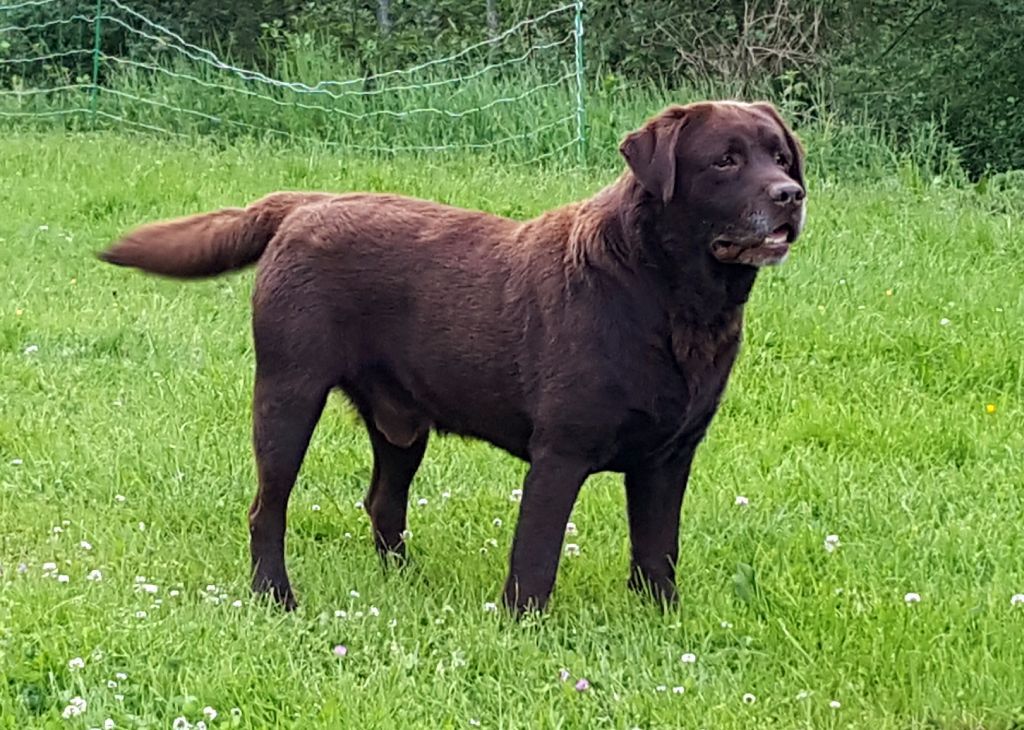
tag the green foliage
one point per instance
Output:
(951, 63)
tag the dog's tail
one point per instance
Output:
(205, 245)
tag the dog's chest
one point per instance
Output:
(704, 358)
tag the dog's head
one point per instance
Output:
(729, 173)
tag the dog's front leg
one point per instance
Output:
(654, 497)
(549, 494)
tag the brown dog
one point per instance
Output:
(596, 337)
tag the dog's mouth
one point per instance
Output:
(755, 251)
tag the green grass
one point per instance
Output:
(853, 410)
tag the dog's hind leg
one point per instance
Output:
(387, 500)
(287, 403)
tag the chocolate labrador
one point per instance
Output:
(596, 337)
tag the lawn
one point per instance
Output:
(878, 398)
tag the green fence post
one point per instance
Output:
(581, 110)
(94, 93)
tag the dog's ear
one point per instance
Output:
(796, 150)
(651, 152)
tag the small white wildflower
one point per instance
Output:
(1017, 599)
(119, 497)
(76, 664)
(63, 578)
(678, 690)
(44, 227)
(209, 713)
(358, 614)
(315, 508)
(834, 704)
(57, 529)
(94, 575)
(111, 684)
(912, 598)
(22, 568)
(749, 699)
(236, 604)
(803, 694)
(85, 545)
(174, 594)
(570, 528)
(422, 502)
(563, 674)
(726, 624)
(348, 535)
(474, 722)
(121, 676)
(742, 501)
(142, 527)
(392, 623)
(688, 658)
(140, 614)
(354, 593)
(944, 322)
(16, 462)
(490, 607)
(200, 725)
(572, 549)
(149, 588)
(340, 614)
(515, 495)
(140, 579)
(359, 505)
(49, 567)
(661, 688)
(31, 349)
(211, 588)
(496, 522)
(406, 534)
(181, 723)
(76, 706)
(119, 698)
(831, 542)
(491, 542)
(109, 724)
(446, 495)
(374, 611)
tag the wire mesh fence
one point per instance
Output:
(517, 94)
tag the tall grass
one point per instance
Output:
(499, 107)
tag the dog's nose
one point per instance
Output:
(785, 193)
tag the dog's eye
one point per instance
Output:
(781, 159)
(725, 161)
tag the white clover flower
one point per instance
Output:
(76, 664)
(209, 713)
(834, 704)
(422, 502)
(688, 658)
(570, 528)
(85, 545)
(831, 542)
(749, 699)
(315, 508)
(742, 501)
(490, 607)
(572, 549)
(94, 575)
(515, 495)
(678, 690)
(497, 522)
(912, 598)
(1017, 599)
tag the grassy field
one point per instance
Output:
(878, 398)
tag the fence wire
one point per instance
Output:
(519, 92)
